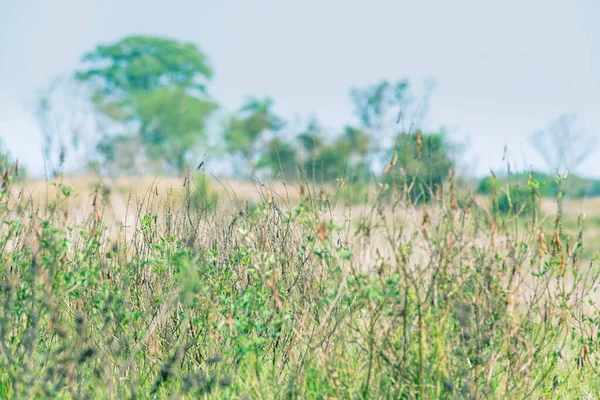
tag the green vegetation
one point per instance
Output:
(8, 163)
(158, 86)
(150, 99)
(575, 187)
(280, 300)
(425, 163)
(382, 277)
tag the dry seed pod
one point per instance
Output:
(556, 245)
(426, 219)
(563, 265)
(454, 203)
(323, 231)
(542, 245)
(323, 195)
(419, 136)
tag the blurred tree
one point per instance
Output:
(337, 160)
(380, 108)
(280, 157)
(563, 145)
(244, 132)
(171, 132)
(158, 87)
(344, 158)
(424, 159)
(311, 140)
(357, 140)
(378, 104)
(329, 163)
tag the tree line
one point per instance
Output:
(151, 104)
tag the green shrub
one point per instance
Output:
(422, 163)
(576, 187)
(487, 185)
(353, 193)
(517, 199)
(202, 196)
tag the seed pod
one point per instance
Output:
(542, 245)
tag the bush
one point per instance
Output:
(202, 197)
(354, 193)
(516, 199)
(575, 187)
(425, 163)
(487, 185)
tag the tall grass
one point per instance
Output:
(284, 299)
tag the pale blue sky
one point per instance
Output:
(503, 68)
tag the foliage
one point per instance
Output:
(202, 196)
(422, 164)
(151, 96)
(515, 200)
(156, 87)
(280, 158)
(172, 124)
(374, 104)
(272, 301)
(244, 132)
(487, 185)
(576, 186)
(380, 108)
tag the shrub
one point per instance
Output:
(423, 164)
(202, 197)
(515, 200)
(487, 185)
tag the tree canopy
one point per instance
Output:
(157, 87)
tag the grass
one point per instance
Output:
(290, 296)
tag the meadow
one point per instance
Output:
(196, 287)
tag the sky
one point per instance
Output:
(502, 69)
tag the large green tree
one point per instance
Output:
(156, 88)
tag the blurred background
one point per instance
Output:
(320, 89)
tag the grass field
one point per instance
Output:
(153, 288)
